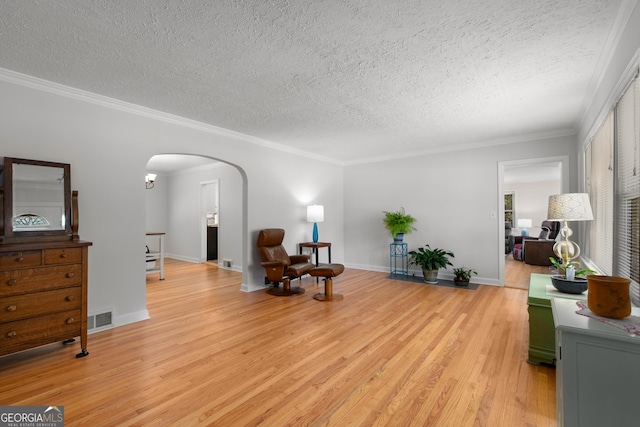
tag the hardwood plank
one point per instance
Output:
(390, 353)
(517, 272)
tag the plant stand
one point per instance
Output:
(398, 265)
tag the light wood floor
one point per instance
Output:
(516, 273)
(390, 354)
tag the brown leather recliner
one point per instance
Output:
(540, 248)
(279, 266)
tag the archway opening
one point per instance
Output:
(175, 205)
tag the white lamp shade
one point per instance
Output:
(315, 213)
(569, 207)
(525, 223)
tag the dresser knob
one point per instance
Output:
(12, 282)
(70, 275)
(11, 334)
(63, 255)
(70, 298)
(20, 259)
(11, 308)
(70, 320)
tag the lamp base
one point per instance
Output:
(565, 248)
(315, 232)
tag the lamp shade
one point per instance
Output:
(569, 207)
(315, 213)
(525, 223)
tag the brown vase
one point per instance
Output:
(608, 296)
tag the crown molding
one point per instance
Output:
(559, 133)
(606, 56)
(115, 104)
(39, 84)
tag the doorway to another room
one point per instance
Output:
(210, 215)
(192, 198)
(524, 189)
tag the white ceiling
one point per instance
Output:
(346, 80)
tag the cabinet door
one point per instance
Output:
(598, 384)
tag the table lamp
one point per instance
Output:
(524, 224)
(315, 214)
(568, 207)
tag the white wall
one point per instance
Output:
(157, 209)
(532, 200)
(108, 146)
(185, 222)
(453, 195)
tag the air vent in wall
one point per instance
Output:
(100, 320)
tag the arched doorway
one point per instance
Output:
(176, 206)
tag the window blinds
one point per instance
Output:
(627, 194)
(600, 158)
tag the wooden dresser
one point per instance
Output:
(43, 262)
(43, 294)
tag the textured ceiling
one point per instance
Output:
(344, 79)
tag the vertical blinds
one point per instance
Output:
(600, 158)
(627, 194)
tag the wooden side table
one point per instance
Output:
(314, 247)
(157, 255)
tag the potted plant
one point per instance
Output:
(462, 275)
(431, 260)
(570, 280)
(398, 223)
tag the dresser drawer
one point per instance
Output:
(62, 256)
(39, 279)
(23, 334)
(37, 303)
(11, 260)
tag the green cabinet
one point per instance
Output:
(542, 342)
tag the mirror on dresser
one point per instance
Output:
(43, 263)
(37, 200)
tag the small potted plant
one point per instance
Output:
(398, 223)
(430, 260)
(570, 280)
(462, 275)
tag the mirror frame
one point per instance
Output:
(14, 236)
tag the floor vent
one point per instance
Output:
(100, 320)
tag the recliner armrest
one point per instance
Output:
(274, 270)
(268, 264)
(299, 259)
